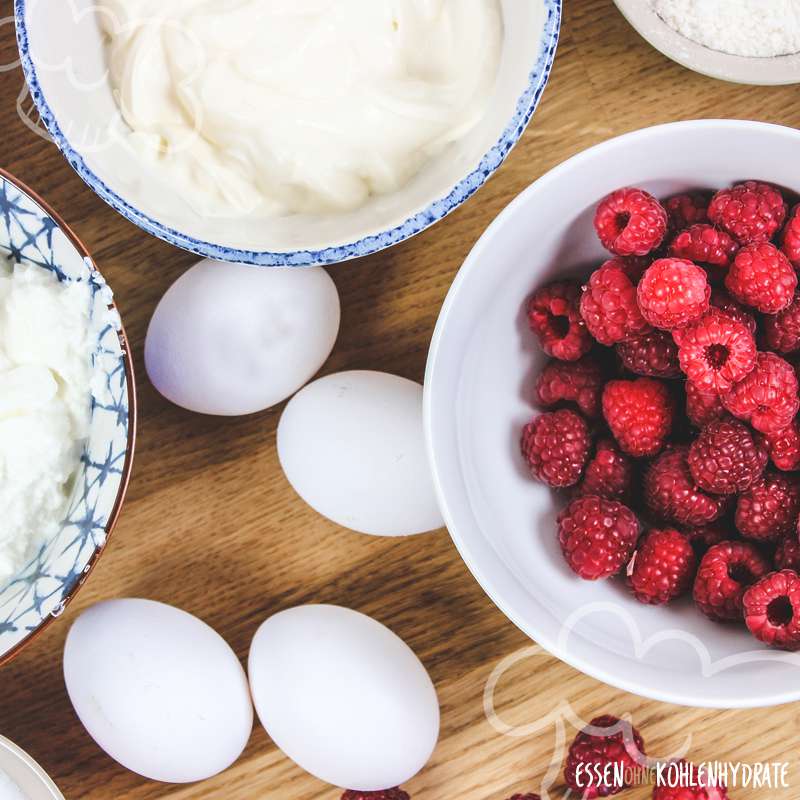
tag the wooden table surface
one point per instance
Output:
(212, 526)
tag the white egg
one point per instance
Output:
(352, 446)
(343, 697)
(230, 339)
(159, 690)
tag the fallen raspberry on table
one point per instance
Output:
(597, 536)
(630, 222)
(662, 568)
(639, 413)
(554, 316)
(556, 447)
(715, 351)
(707, 246)
(767, 396)
(606, 740)
(609, 307)
(727, 457)
(670, 493)
(579, 382)
(769, 509)
(791, 237)
(702, 407)
(782, 330)
(762, 277)
(689, 784)
(609, 474)
(703, 537)
(772, 610)
(684, 210)
(386, 794)
(725, 573)
(787, 553)
(653, 355)
(673, 292)
(721, 300)
(784, 447)
(750, 212)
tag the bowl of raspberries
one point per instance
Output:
(612, 406)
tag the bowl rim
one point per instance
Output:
(132, 425)
(17, 753)
(416, 223)
(474, 562)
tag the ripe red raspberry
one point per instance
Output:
(702, 407)
(683, 781)
(750, 212)
(579, 382)
(782, 330)
(707, 246)
(639, 414)
(386, 794)
(672, 293)
(556, 447)
(791, 237)
(768, 510)
(654, 355)
(725, 573)
(670, 493)
(687, 209)
(529, 796)
(762, 277)
(608, 305)
(609, 474)
(787, 553)
(630, 222)
(662, 567)
(784, 447)
(721, 300)
(706, 536)
(767, 396)
(772, 610)
(554, 316)
(605, 740)
(715, 351)
(597, 536)
(727, 457)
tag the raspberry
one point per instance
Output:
(687, 209)
(554, 316)
(708, 247)
(654, 355)
(725, 572)
(715, 351)
(767, 396)
(787, 554)
(608, 305)
(727, 305)
(782, 330)
(639, 414)
(727, 458)
(791, 237)
(609, 474)
(525, 797)
(671, 495)
(386, 794)
(750, 212)
(682, 781)
(597, 536)
(673, 292)
(706, 536)
(769, 509)
(772, 610)
(702, 407)
(556, 447)
(662, 567)
(579, 382)
(630, 222)
(762, 277)
(784, 447)
(605, 740)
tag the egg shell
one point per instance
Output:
(229, 339)
(159, 690)
(352, 446)
(343, 697)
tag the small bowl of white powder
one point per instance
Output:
(744, 41)
(21, 778)
(67, 415)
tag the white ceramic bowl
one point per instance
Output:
(62, 55)
(478, 395)
(29, 777)
(697, 57)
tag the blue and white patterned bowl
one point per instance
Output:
(31, 231)
(62, 55)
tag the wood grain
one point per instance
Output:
(212, 526)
